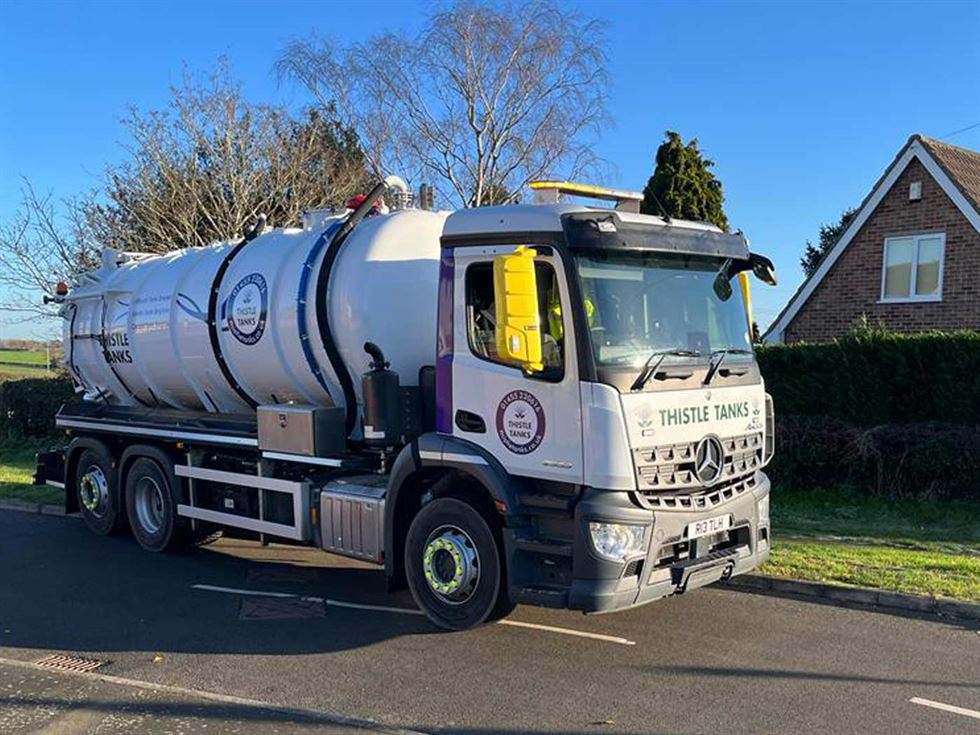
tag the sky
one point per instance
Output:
(801, 105)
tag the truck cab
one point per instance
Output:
(595, 369)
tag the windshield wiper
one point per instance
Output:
(650, 367)
(714, 364)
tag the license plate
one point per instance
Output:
(709, 526)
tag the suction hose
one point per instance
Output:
(322, 283)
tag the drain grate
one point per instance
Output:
(281, 575)
(62, 662)
(277, 608)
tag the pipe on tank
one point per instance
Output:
(323, 281)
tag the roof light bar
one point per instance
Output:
(549, 192)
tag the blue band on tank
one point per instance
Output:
(304, 282)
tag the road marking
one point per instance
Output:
(378, 608)
(311, 598)
(411, 611)
(569, 631)
(947, 707)
(295, 712)
(236, 591)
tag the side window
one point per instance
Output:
(481, 320)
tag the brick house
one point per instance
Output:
(910, 258)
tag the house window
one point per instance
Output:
(912, 268)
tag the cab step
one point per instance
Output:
(549, 547)
(544, 596)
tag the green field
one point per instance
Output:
(17, 364)
(25, 357)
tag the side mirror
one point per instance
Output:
(762, 268)
(723, 285)
(515, 290)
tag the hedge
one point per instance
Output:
(28, 406)
(872, 377)
(928, 460)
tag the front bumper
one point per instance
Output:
(672, 564)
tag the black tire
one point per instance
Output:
(485, 597)
(97, 491)
(152, 507)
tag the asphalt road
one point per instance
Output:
(185, 647)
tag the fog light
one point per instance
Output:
(764, 511)
(618, 541)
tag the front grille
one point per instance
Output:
(698, 500)
(671, 466)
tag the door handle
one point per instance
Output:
(468, 421)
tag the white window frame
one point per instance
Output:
(912, 297)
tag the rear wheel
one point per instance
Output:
(453, 565)
(95, 484)
(151, 506)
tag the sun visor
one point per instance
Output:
(602, 230)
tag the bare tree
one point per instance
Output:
(45, 242)
(196, 173)
(484, 100)
(204, 170)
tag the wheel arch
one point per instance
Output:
(151, 451)
(416, 469)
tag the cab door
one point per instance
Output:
(530, 422)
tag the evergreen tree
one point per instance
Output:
(830, 233)
(683, 186)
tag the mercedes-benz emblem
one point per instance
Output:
(709, 458)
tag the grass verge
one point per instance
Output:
(925, 547)
(17, 472)
(914, 571)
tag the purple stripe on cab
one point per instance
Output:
(444, 345)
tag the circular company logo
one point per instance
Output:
(247, 306)
(520, 422)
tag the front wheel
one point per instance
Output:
(453, 565)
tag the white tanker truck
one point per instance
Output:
(553, 404)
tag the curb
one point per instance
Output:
(858, 595)
(26, 506)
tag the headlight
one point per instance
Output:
(617, 541)
(764, 511)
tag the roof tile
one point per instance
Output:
(961, 165)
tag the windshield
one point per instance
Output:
(638, 302)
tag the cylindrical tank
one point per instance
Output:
(136, 330)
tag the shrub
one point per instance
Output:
(872, 377)
(928, 460)
(28, 407)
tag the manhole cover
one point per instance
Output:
(278, 608)
(62, 662)
(281, 575)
